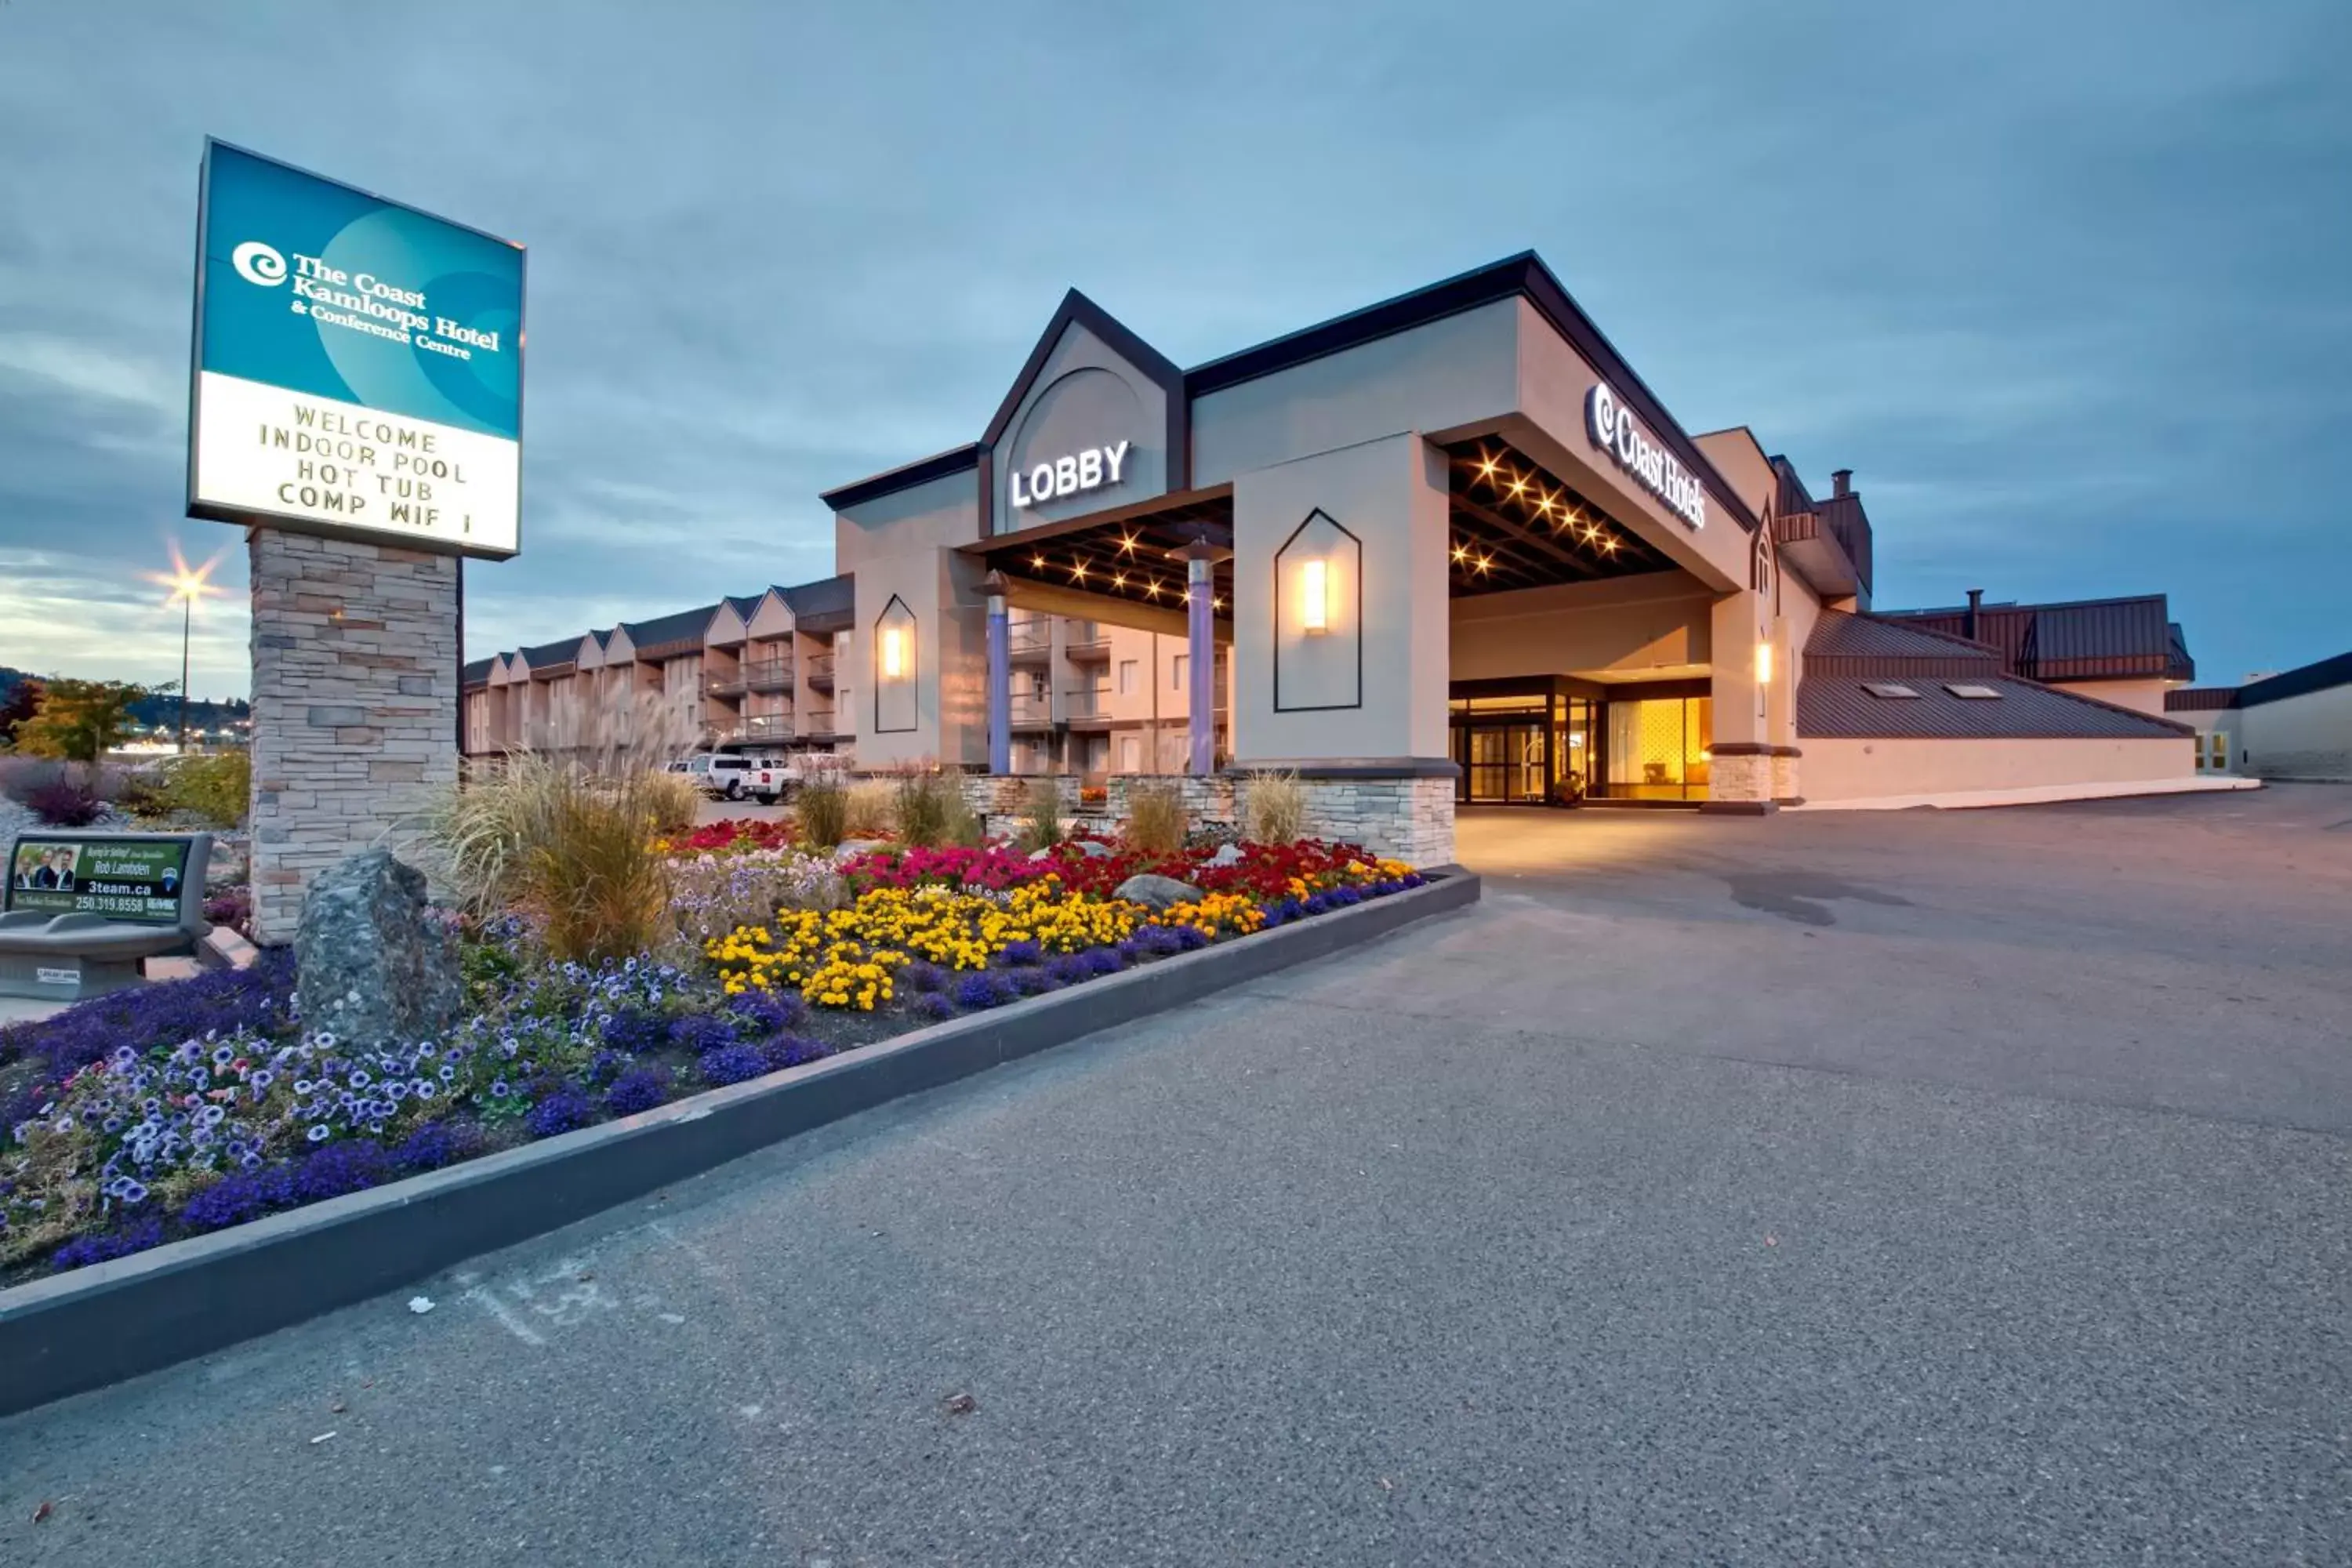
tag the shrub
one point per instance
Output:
(873, 809)
(824, 808)
(1044, 828)
(218, 788)
(674, 803)
(570, 847)
(63, 802)
(928, 806)
(140, 793)
(1274, 809)
(1157, 821)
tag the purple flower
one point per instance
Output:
(84, 1250)
(1020, 952)
(638, 1090)
(565, 1107)
(702, 1033)
(985, 988)
(732, 1063)
(931, 1004)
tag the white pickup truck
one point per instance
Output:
(769, 779)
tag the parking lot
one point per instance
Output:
(1920, 1188)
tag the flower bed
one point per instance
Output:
(179, 1108)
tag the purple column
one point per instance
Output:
(999, 680)
(1202, 652)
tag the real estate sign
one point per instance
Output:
(120, 879)
(358, 365)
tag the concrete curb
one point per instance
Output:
(113, 1321)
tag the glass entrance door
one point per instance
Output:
(1501, 763)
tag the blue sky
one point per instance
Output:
(2064, 284)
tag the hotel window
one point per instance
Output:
(1661, 748)
(1127, 668)
(1130, 753)
(1176, 671)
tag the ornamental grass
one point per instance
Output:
(1157, 821)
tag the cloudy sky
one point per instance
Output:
(2064, 284)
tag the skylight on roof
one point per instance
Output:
(1888, 689)
(1973, 693)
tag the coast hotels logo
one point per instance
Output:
(258, 263)
(360, 302)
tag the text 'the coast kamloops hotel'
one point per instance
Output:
(1451, 548)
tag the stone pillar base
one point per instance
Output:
(1784, 775)
(1739, 771)
(354, 704)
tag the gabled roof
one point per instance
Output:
(828, 596)
(477, 672)
(1523, 276)
(549, 656)
(663, 631)
(1847, 654)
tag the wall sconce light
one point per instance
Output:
(1315, 596)
(894, 653)
(1764, 664)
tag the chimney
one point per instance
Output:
(1842, 482)
(1968, 625)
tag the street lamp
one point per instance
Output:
(187, 586)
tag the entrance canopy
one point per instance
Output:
(1125, 558)
(1517, 525)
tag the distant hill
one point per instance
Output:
(202, 713)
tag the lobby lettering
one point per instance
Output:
(1087, 470)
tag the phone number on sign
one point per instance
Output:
(130, 906)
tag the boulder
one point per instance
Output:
(1157, 892)
(1094, 849)
(1226, 854)
(374, 964)
(851, 848)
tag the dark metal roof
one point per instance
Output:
(2085, 640)
(905, 475)
(477, 672)
(548, 655)
(1837, 708)
(2200, 698)
(745, 606)
(1845, 652)
(2177, 665)
(826, 599)
(664, 630)
(2300, 682)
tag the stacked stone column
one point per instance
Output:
(355, 652)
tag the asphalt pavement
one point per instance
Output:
(1920, 1188)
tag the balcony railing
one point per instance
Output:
(768, 675)
(820, 670)
(1031, 708)
(815, 724)
(1034, 635)
(723, 683)
(765, 727)
(1086, 702)
(1087, 639)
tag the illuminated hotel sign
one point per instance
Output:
(1613, 429)
(358, 365)
(1087, 470)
